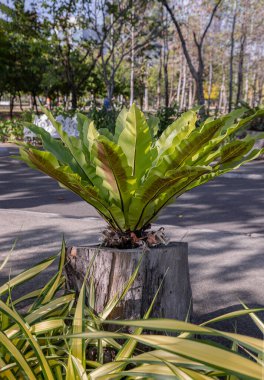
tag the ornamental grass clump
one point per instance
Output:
(57, 336)
(129, 176)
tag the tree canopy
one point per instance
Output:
(161, 53)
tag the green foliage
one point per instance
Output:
(57, 336)
(103, 118)
(129, 176)
(258, 123)
(60, 111)
(22, 49)
(166, 116)
(27, 116)
(11, 130)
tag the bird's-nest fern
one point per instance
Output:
(129, 176)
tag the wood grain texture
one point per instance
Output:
(112, 268)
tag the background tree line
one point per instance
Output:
(162, 53)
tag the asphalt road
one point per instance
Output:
(231, 203)
(222, 221)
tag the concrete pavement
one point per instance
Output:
(223, 222)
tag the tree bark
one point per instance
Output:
(210, 86)
(261, 92)
(69, 73)
(146, 98)
(240, 68)
(112, 268)
(35, 103)
(179, 82)
(172, 90)
(190, 96)
(200, 78)
(165, 63)
(20, 102)
(132, 69)
(246, 83)
(74, 100)
(166, 85)
(110, 91)
(159, 81)
(194, 91)
(200, 92)
(183, 87)
(30, 102)
(11, 106)
(220, 101)
(231, 63)
(255, 90)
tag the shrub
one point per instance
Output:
(167, 116)
(103, 118)
(11, 130)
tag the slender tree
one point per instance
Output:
(124, 42)
(197, 73)
(230, 100)
(165, 60)
(240, 72)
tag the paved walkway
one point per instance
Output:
(223, 222)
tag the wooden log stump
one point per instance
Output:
(112, 268)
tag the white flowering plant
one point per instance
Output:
(69, 125)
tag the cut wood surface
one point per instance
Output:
(112, 268)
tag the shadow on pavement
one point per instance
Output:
(225, 203)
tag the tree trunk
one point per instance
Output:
(110, 91)
(11, 106)
(196, 74)
(111, 83)
(30, 102)
(246, 83)
(20, 102)
(194, 91)
(260, 94)
(112, 268)
(132, 69)
(251, 89)
(231, 63)
(74, 98)
(159, 81)
(146, 98)
(165, 63)
(222, 95)
(183, 86)
(255, 90)
(200, 93)
(210, 86)
(225, 100)
(35, 104)
(220, 101)
(172, 95)
(166, 85)
(190, 96)
(199, 80)
(179, 83)
(240, 69)
(141, 100)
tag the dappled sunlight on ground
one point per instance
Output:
(224, 268)
(223, 223)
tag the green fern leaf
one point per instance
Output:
(135, 141)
